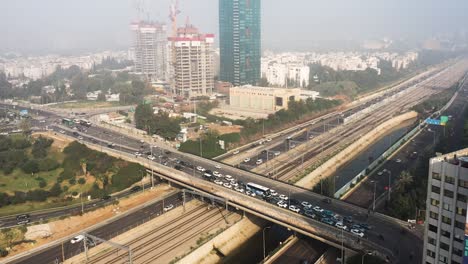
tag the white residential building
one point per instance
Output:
(150, 49)
(194, 66)
(446, 227)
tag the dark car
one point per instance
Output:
(22, 219)
(106, 197)
(136, 188)
(178, 167)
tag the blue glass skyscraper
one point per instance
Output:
(240, 41)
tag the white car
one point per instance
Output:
(218, 166)
(217, 174)
(398, 160)
(227, 185)
(282, 204)
(318, 209)
(142, 141)
(357, 232)
(311, 136)
(259, 161)
(283, 197)
(340, 225)
(228, 177)
(168, 207)
(306, 204)
(239, 189)
(249, 193)
(380, 173)
(277, 153)
(199, 168)
(77, 239)
(294, 208)
(292, 146)
(62, 131)
(137, 154)
(268, 139)
(218, 182)
(235, 152)
(150, 157)
(246, 160)
(273, 192)
(234, 183)
(80, 138)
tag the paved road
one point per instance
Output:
(54, 254)
(128, 144)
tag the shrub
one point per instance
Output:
(56, 190)
(72, 181)
(81, 181)
(42, 184)
(30, 166)
(75, 193)
(48, 165)
(3, 252)
(65, 188)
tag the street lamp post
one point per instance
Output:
(389, 183)
(373, 203)
(264, 250)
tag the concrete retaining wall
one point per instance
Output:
(330, 166)
(226, 242)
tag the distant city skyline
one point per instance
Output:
(40, 27)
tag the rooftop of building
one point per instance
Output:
(459, 157)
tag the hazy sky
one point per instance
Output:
(66, 25)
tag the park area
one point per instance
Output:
(37, 172)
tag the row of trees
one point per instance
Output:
(160, 124)
(297, 111)
(14, 154)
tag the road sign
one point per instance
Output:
(431, 121)
(444, 120)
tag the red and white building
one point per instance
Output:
(193, 69)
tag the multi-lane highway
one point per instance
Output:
(381, 227)
(290, 156)
(65, 250)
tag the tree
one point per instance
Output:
(25, 125)
(56, 190)
(143, 116)
(101, 97)
(405, 179)
(40, 147)
(81, 181)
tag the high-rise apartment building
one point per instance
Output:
(446, 229)
(193, 69)
(240, 41)
(150, 49)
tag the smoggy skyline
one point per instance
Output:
(73, 26)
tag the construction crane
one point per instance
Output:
(173, 13)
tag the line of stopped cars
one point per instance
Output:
(345, 223)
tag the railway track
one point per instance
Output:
(101, 257)
(163, 234)
(346, 135)
(297, 160)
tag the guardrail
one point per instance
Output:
(376, 163)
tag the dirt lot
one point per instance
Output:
(74, 224)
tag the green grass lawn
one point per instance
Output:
(86, 104)
(20, 181)
(34, 206)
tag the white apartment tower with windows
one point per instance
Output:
(150, 49)
(193, 69)
(445, 227)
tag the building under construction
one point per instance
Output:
(193, 68)
(150, 50)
